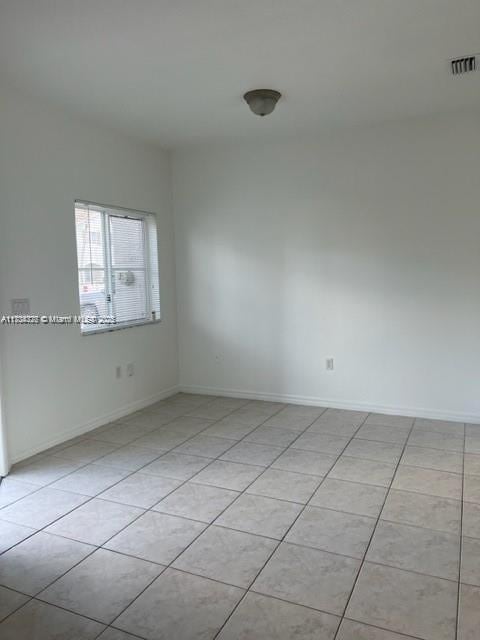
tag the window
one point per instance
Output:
(117, 267)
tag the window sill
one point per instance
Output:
(118, 327)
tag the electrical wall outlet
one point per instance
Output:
(20, 306)
(130, 369)
(118, 372)
(329, 364)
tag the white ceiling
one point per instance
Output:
(174, 71)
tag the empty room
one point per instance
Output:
(239, 320)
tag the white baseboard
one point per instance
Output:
(418, 412)
(93, 424)
(414, 412)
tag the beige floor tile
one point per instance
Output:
(333, 531)
(468, 614)
(361, 470)
(42, 471)
(308, 577)
(435, 440)
(211, 411)
(470, 573)
(471, 520)
(11, 534)
(251, 416)
(230, 427)
(261, 516)
(372, 450)
(162, 439)
(322, 442)
(159, 613)
(471, 489)
(431, 512)
(87, 451)
(442, 426)
(148, 420)
(188, 425)
(309, 462)
(10, 601)
(115, 634)
(252, 453)
(334, 426)
(350, 630)
(301, 563)
(177, 466)
(285, 485)
(472, 464)
(156, 537)
(387, 420)
(342, 417)
(405, 602)
(91, 479)
(229, 475)
(123, 433)
(415, 549)
(429, 481)
(141, 490)
(36, 562)
(129, 457)
(197, 501)
(294, 418)
(433, 459)
(40, 621)
(39, 509)
(381, 433)
(472, 430)
(270, 619)
(95, 522)
(102, 585)
(11, 490)
(472, 444)
(351, 497)
(208, 446)
(229, 556)
(272, 436)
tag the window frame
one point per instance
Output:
(148, 218)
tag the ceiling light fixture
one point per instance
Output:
(262, 101)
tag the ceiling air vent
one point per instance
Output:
(463, 65)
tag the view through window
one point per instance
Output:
(117, 267)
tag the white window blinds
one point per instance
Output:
(117, 267)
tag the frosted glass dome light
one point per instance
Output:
(262, 101)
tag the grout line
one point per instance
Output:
(417, 573)
(286, 532)
(109, 626)
(422, 493)
(410, 444)
(374, 626)
(418, 466)
(192, 479)
(372, 534)
(411, 466)
(419, 526)
(169, 565)
(95, 548)
(30, 598)
(461, 537)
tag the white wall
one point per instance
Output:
(57, 383)
(364, 247)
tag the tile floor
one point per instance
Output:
(201, 518)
